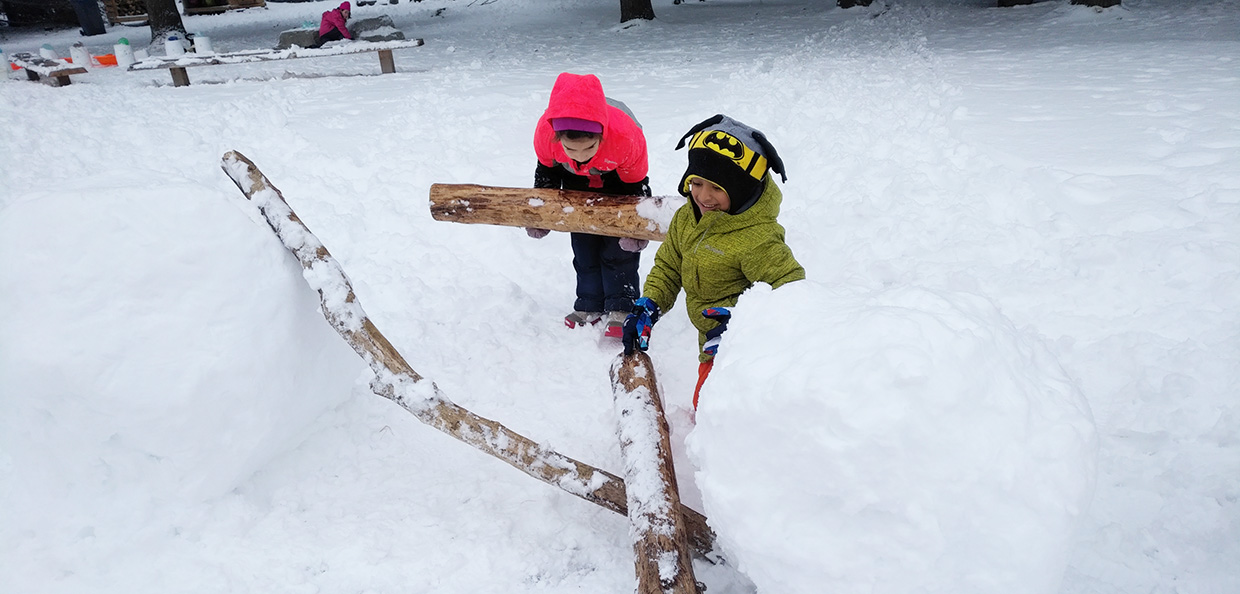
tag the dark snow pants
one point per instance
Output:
(607, 278)
(606, 274)
(333, 35)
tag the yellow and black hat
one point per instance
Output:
(731, 155)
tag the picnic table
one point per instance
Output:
(55, 72)
(176, 65)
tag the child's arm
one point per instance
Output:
(772, 263)
(663, 283)
(634, 159)
(549, 177)
(636, 167)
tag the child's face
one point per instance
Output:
(709, 196)
(581, 149)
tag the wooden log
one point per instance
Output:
(659, 533)
(639, 217)
(396, 380)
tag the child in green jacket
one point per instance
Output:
(722, 241)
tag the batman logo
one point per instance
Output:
(731, 147)
(725, 144)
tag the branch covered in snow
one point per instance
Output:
(656, 525)
(398, 382)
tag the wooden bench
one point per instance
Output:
(53, 72)
(177, 64)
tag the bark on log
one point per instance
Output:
(660, 542)
(639, 217)
(398, 382)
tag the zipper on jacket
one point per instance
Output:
(696, 270)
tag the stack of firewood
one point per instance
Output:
(125, 11)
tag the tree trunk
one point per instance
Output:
(636, 9)
(1097, 3)
(639, 217)
(164, 19)
(660, 544)
(398, 382)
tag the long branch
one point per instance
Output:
(398, 382)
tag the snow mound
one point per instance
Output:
(898, 441)
(137, 375)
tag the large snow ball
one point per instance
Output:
(158, 347)
(891, 442)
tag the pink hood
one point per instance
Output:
(623, 146)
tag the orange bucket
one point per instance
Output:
(104, 60)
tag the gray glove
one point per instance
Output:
(629, 244)
(538, 233)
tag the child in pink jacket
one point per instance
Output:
(333, 26)
(585, 141)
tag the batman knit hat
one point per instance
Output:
(731, 155)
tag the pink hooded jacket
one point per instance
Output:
(334, 19)
(623, 146)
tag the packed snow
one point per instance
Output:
(931, 436)
(1012, 366)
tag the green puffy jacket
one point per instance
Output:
(717, 257)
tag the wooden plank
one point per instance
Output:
(386, 64)
(639, 217)
(53, 72)
(266, 55)
(180, 78)
(207, 10)
(45, 66)
(659, 533)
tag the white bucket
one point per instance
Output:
(173, 46)
(124, 55)
(141, 55)
(4, 63)
(202, 45)
(47, 52)
(80, 56)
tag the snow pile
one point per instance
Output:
(164, 389)
(900, 441)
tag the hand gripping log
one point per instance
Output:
(398, 382)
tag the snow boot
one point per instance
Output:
(582, 318)
(615, 324)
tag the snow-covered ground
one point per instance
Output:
(1012, 367)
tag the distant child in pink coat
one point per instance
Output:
(333, 27)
